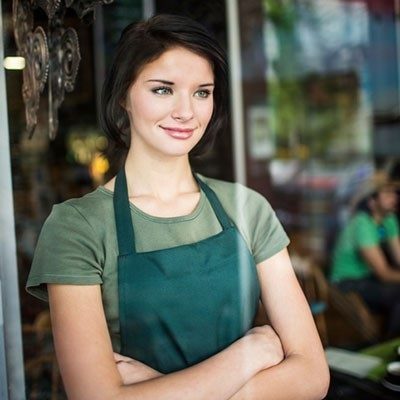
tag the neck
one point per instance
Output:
(158, 177)
(377, 216)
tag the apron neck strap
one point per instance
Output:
(215, 204)
(123, 218)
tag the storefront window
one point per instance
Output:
(330, 72)
(321, 103)
(46, 172)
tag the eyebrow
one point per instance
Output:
(172, 83)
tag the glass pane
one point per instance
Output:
(46, 172)
(318, 111)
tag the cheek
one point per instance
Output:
(144, 108)
(207, 113)
(389, 201)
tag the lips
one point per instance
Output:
(178, 133)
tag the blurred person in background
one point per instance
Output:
(154, 279)
(366, 257)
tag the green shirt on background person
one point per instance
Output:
(361, 231)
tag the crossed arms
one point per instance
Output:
(285, 362)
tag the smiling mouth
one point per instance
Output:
(178, 133)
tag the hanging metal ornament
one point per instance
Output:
(33, 47)
(49, 6)
(85, 8)
(55, 55)
(65, 58)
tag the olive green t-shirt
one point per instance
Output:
(361, 231)
(78, 242)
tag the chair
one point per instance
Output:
(315, 288)
(316, 291)
(353, 311)
(344, 315)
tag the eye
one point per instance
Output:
(203, 93)
(162, 90)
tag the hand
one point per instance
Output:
(133, 371)
(268, 346)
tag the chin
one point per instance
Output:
(179, 151)
(176, 153)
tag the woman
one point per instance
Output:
(154, 279)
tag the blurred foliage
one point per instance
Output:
(311, 115)
(314, 113)
(284, 94)
(280, 12)
(288, 110)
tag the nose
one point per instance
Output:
(183, 108)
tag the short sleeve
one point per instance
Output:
(67, 252)
(365, 233)
(392, 226)
(269, 235)
(266, 232)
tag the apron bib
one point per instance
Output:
(181, 305)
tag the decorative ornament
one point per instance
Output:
(55, 56)
(85, 7)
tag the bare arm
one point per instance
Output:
(374, 256)
(88, 368)
(303, 374)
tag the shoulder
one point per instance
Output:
(232, 194)
(363, 218)
(70, 248)
(391, 219)
(362, 224)
(91, 209)
(253, 216)
(79, 225)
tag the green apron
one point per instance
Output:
(181, 305)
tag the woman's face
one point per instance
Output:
(170, 103)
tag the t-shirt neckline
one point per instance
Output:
(181, 218)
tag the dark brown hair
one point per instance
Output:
(142, 43)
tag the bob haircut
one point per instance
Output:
(142, 43)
